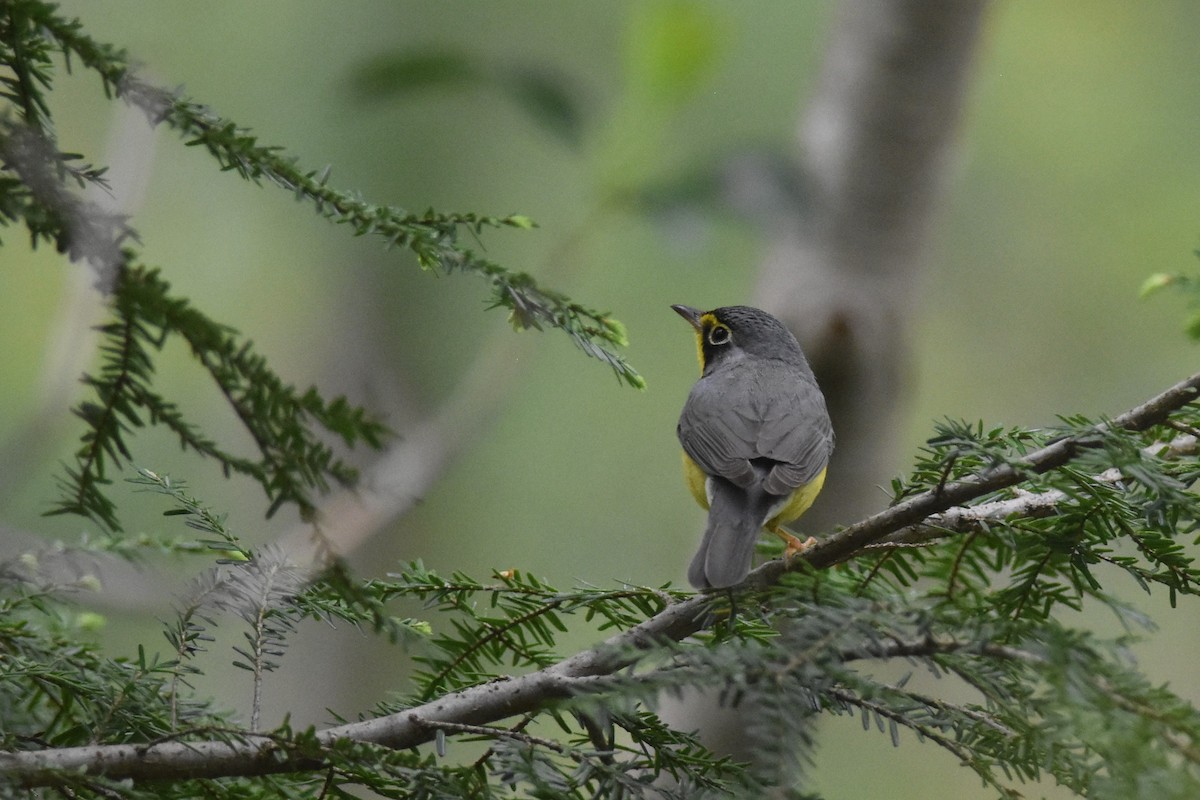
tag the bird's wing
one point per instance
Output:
(718, 439)
(796, 434)
(736, 416)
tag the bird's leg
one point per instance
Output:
(792, 546)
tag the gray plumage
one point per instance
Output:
(756, 424)
(735, 517)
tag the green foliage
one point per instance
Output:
(515, 628)
(1125, 504)
(972, 608)
(283, 422)
(286, 425)
(1189, 285)
(968, 604)
(673, 47)
(263, 592)
(56, 690)
(431, 236)
(544, 95)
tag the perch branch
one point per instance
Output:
(490, 702)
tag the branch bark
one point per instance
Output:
(1026, 505)
(497, 700)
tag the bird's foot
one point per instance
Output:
(792, 546)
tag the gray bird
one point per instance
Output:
(756, 438)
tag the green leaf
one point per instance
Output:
(1154, 283)
(548, 100)
(1188, 285)
(394, 74)
(541, 93)
(1193, 326)
(671, 48)
(520, 221)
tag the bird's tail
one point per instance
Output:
(735, 518)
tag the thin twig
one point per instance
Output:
(491, 733)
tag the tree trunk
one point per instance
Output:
(845, 246)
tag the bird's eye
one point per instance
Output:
(719, 335)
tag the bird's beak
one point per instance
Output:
(692, 315)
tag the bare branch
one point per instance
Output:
(964, 519)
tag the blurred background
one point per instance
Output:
(1074, 176)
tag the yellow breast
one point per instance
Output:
(696, 480)
(802, 498)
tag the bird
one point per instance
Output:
(756, 438)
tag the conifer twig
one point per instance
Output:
(1025, 505)
(485, 703)
(849, 541)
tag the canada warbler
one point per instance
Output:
(756, 437)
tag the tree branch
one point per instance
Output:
(1026, 505)
(925, 646)
(254, 754)
(849, 541)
